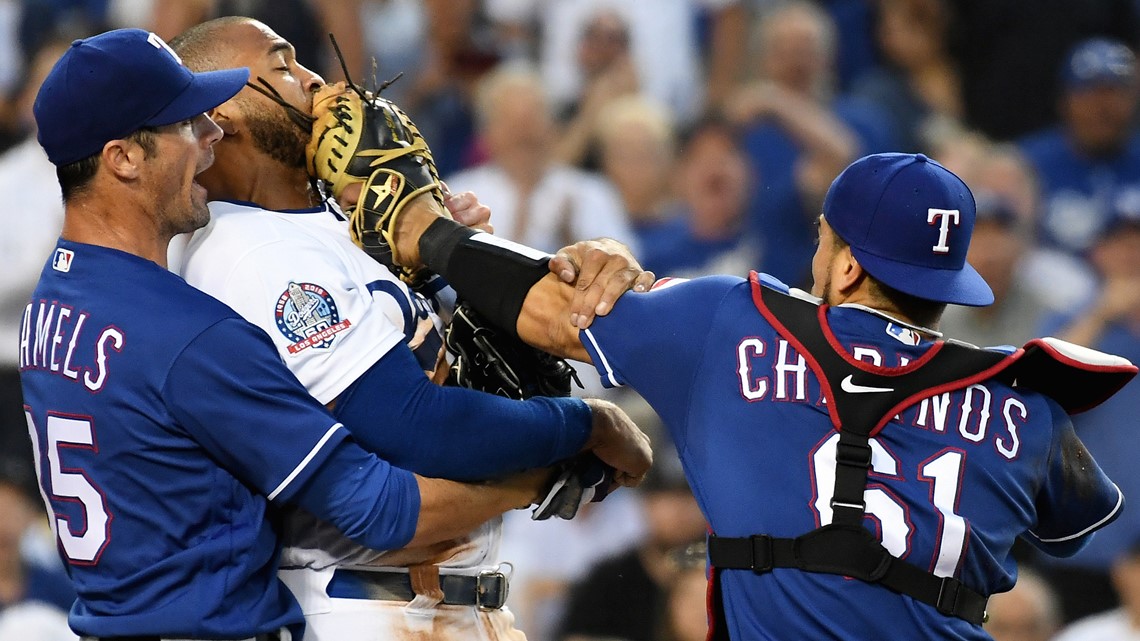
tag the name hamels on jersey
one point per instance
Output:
(49, 334)
(975, 413)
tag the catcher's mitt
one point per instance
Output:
(490, 360)
(359, 137)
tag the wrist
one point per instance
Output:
(601, 424)
(418, 215)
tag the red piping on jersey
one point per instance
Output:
(868, 367)
(961, 383)
(758, 300)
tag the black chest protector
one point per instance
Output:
(844, 546)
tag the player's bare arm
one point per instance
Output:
(449, 509)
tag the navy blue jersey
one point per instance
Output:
(144, 399)
(956, 478)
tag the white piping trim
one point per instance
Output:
(303, 463)
(609, 374)
(1094, 526)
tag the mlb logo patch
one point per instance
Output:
(62, 260)
(903, 335)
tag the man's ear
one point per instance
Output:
(222, 115)
(123, 158)
(848, 274)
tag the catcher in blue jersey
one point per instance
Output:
(165, 428)
(863, 477)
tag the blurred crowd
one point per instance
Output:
(704, 134)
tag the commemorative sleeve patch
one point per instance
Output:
(307, 315)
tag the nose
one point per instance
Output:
(208, 130)
(310, 79)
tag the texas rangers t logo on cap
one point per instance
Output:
(945, 215)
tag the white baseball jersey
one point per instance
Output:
(333, 312)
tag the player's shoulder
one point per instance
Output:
(237, 230)
(703, 296)
(229, 219)
(705, 286)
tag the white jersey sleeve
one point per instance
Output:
(331, 311)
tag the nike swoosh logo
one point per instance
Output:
(851, 388)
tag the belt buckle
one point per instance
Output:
(490, 590)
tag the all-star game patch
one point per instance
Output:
(306, 314)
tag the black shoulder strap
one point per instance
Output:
(861, 400)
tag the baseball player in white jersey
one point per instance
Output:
(333, 312)
(351, 332)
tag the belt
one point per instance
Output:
(486, 590)
(265, 637)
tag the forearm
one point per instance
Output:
(544, 320)
(728, 51)
(458, 433)
(1086, 330)
(449, 509)
(820, 132)
(383, 507)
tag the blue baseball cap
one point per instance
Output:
(1098, 61)
(108, 86)
(908, 221)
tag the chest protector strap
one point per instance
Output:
(861, 400)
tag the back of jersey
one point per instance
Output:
(955, 479)
(158, 538)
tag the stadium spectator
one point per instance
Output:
(1027, 283)
(686, 605)
(919, 82)
(1109, 322)
(665, 43)
(1028, 612)
(713, 180)
(1120, 624)
(1093, 155)
(32, 220)
(459, 50)
(638, 150)
(627, 596)
(537, 200)
(23, 579)
(608, 73)
(798, 136)
(1007, 52)
(35, 622)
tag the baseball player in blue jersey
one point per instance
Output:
(164, 425)
(863, 478)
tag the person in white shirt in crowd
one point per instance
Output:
(663, 40)
(537, 201)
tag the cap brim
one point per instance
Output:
(959, 287)
(206, 91)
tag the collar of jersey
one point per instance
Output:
(853, 325)
(307, 210)
(888, 317)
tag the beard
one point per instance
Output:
(826, 294)
(275, 135)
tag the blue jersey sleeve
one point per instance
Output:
(653, 341)
(235, 397)
(1077, 498)
(394, 411)
(371, 502)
